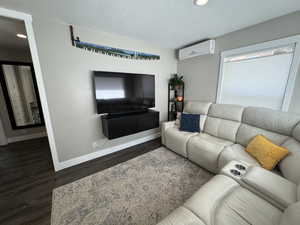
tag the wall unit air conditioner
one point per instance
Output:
(203, 48)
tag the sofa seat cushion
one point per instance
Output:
(177, 140)
(205, 149)
(242, 207)
(181, 216)
(291, 215)
(236, 152)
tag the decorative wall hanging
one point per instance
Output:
(117, 52)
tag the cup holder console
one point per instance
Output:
(235, 172)
(240, 167)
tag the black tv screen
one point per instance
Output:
(123, 92)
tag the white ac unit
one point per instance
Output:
(203, 48)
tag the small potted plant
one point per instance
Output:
(176, 82)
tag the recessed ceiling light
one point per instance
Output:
(200, 2)
(21, 36)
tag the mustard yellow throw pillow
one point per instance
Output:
(265, 152)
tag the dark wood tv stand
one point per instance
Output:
(119, 125)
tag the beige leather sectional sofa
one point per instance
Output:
(242, 193)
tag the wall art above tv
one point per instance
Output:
(111, 51)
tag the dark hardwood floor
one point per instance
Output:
(27, 178)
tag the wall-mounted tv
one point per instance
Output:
(123, 92)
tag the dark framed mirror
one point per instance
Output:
(21, 94)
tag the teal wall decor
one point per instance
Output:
(117, 52)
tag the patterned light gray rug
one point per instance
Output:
(140, 191)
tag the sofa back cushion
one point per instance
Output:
(290, 165)
(198, 107)
(296, 132)
(247, 132)
(223, 121)
(272, 120)
(275, 125)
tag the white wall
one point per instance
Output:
(201, 73)
(67, 73)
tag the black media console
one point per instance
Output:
(120, 125)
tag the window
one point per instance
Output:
(261, 75)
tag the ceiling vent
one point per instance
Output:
(203, 48)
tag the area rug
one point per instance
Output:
(141, 191)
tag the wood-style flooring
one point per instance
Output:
(27, 178)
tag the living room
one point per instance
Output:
(125, 145)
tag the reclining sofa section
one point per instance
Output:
(223, 201)
(226, 131)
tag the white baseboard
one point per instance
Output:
(26, 137)
(103, 152)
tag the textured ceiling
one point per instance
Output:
(168, 23)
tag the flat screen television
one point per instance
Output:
(123, 92)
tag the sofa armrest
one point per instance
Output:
(164, 127)
(270, 186)
(181, 216)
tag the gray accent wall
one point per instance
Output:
(201, 73)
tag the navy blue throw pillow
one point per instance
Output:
(190, 122)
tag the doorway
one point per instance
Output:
(20, 107)
(24, 113)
